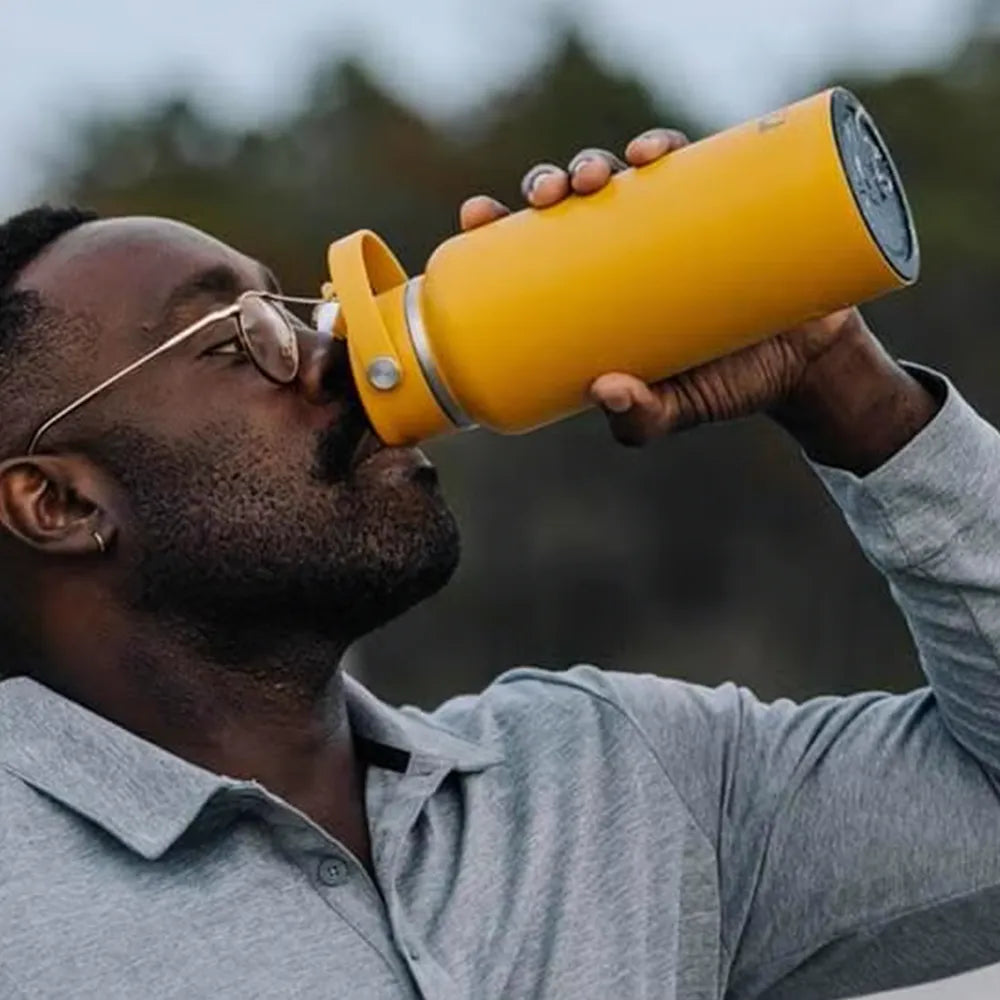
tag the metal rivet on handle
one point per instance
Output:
(383, 373)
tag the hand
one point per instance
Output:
(763, 377)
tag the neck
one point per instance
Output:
(276, 717)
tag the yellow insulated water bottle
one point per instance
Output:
(716, 246)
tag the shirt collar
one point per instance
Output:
(413, 731)
(147, 797)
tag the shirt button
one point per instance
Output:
(333, 871)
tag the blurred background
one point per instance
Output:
(712, 556)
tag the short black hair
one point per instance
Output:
(22, 238)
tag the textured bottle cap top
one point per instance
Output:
(875, 183)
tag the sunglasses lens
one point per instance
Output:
(270, 339)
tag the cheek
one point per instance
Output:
(214, 466)
(257, 446)
(230, 398)
(260, 473)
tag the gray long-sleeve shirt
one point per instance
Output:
(573, 835)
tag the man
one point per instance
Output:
(194, 802)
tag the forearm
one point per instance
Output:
(855, 406)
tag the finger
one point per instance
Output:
(545, 184)
(479, 210)
(635, 412)
(592, 168)
(654, 143)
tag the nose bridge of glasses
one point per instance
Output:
(318, 351)
(309, 315)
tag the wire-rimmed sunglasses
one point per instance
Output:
(265, 331)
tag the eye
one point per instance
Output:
(232, 346)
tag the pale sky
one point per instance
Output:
(729, 59)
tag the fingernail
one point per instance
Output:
(618, 403)
(531, 182)
(580, 161)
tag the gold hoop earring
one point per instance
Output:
(102, 546)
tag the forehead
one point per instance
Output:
(121, 272)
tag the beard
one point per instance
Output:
(246, 541)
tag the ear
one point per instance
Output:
(57, 504)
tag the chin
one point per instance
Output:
(410, 548)
(423, 559)
(394, 590)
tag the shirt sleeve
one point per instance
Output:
(858, 838)
(8, 991)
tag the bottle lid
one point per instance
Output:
(875, 183)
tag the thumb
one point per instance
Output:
(636, 412)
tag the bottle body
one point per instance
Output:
(716, 246)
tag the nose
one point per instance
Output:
(324, 367)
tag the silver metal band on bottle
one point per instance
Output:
(422, 348)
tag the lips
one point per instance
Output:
(345, 444)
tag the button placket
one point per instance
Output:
(422, 777)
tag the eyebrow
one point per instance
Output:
(219, 280)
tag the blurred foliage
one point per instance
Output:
(712, 556)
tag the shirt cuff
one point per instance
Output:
(948, 476)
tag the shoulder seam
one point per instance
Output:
(561, 680)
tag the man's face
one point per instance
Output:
(250, 507)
